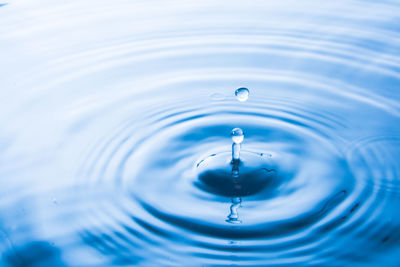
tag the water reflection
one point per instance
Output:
(233, 216)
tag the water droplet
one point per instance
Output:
(242, 94)
(237, 135)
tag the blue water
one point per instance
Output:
(116, 148)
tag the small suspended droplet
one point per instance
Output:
(242, 94)
(237, 135)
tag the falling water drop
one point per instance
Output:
(242, 94)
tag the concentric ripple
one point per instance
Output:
(117, 149)
(174, 192)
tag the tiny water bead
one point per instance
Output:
(242, 94)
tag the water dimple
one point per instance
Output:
(242, 94)
(251, 176)
(217, 97)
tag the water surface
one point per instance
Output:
(115, 146)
